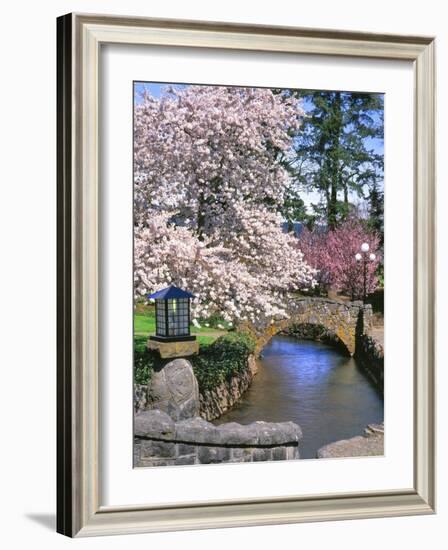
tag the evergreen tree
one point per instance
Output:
(376, 209)
(293, 208)
(334, 153)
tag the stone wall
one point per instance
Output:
(214, 403)
(141, 401)
(370, 355)
(316, 333)
(161, 441)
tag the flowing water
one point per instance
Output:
(315, 386)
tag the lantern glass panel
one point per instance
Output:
(160, 318)
(178, 317)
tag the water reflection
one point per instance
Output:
(314, 385)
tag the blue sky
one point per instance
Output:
(156, 89)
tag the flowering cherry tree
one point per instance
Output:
(199, 150)
(225, 274)
(333, 253)
(314, 246)
(255, 237)
(208, 182)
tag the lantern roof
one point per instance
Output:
(169, 293)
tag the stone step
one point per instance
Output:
(375, 429)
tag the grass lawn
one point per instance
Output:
(145, 324)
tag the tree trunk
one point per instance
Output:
(332, 207)
(334, 161)
(201, 216)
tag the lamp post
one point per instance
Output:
(364, 256)
(172, 337)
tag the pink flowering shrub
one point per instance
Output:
(333, 253)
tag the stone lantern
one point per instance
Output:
(172, 337)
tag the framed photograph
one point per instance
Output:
(246, 277)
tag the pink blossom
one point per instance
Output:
(333, 253)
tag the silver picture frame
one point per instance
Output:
(79, 511)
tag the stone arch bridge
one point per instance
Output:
(347, 320)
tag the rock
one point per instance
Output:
(214, 403)
(292, 453)
(260, 455)
(278, 433)
(159, 441)
(185, 449)
(185, 460)
(374, 429)
(175, 391)
(369, 444)
(197, 430)
(157, 449)
(259, 433)
(279, 453)
(213, 455)
(252, 364)
(154, 423)
(140, 396)
(241, 455)
(370, 355)
(232, 433)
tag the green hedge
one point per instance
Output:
(144, 362)
(222, 359)
(215, 363)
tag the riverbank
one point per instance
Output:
(371, 443)
(217, 401)
(313, 384)
(171, 432)
(370, 355)
(213, 402)
(369, 347)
